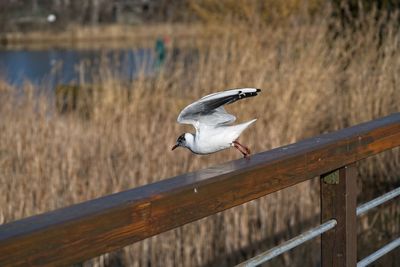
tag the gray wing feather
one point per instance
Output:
(218, 116)
(209, 109)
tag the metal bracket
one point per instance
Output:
(331, 178)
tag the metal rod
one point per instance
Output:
(379, 253)
(288, 245)
(363, 208)
(294, 242)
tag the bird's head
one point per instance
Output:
(184, 140)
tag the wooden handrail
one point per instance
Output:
(85, 230)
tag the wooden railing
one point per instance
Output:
(85, 230)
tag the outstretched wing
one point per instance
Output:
(209, 109)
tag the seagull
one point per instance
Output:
(214, 131)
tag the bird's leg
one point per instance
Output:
(244, 150)
(244, 147)
(240, 149)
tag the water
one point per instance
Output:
(52, 67)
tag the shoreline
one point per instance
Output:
(107, 36)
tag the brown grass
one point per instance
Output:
(311, 84)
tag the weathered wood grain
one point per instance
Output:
(84, 230)
(339, 201)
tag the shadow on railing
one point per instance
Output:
(88, 229)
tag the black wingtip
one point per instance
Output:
(258, 90)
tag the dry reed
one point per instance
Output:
(311, 84)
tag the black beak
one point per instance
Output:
(175, 146)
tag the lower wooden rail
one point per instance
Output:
(88, 229)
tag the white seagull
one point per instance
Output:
(212, 123)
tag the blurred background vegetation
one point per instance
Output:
(322, 65)
(27, 15)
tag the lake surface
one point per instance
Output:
(51, 67)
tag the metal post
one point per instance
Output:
(339, 201)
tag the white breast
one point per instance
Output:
(214, 139)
